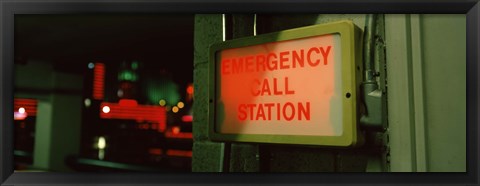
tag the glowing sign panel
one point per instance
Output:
(296, 86)
(129, 109)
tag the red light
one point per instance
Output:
(126, 85)
(29, 105)
(190, 89)
(140, 113)
(161, 126)
(180, 135)
(155, 151)
(187, 118)
(98, 80)
(264, 97)
(128, 102)
(184, 153)
(176, 130)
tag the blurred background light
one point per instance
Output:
(175, 109)
(106, 109)
(162, 102)
(21, 110)
(180, 104)
(102, 143)
(87, 102)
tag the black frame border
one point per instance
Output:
(8, 9)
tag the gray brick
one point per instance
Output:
(244, 158)
(298, 159)
(207, 156)
(208, 30)
(351, 162)
(200, 123)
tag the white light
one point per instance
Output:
(120, 93)
(87, 102)
(255, 24)
(106, 109)
(91, 65)
(21, 110)
(19, 116)
(102, 143)
(223, 27)
(101, 154)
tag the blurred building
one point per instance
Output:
(110, 101)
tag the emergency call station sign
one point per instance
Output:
(296, 86)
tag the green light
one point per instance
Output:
(127, 76)
(163, 89)
(162, 102)
(134, 65)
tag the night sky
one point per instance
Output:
(162, 42)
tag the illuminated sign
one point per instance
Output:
(129, 109)
(98, 80)
(24, 107)
(296, 86)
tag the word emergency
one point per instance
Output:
(276, 61)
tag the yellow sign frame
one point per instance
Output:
(350, 37)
